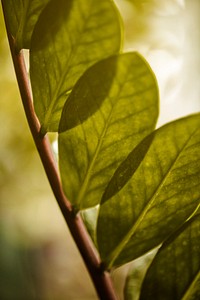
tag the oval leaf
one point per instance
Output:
(161, 194)
(175, 272)
(22, 16)
(121, 107)
(69, 37)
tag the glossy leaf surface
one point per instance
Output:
(175, 272)
(64, 46)
(162, 193)
(111, 108)
(22, 17)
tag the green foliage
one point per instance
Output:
(22, 17)
(113, 106)
(142, 184)
(64, 46)
(162, 194)
(174, 273)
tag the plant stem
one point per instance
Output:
(101, 279)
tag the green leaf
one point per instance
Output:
(136, 274)
(162, 193)
(22, 16)
(128, 167)
(89, 217)
(69, 37)
(175, 272)
(121, 100)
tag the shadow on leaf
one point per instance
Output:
(127, 168)
(45, 25)
(84, 100)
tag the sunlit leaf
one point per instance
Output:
(120, 97)
(22, 16)
(127, 168)
(64, 45)
(89, 217)
(175, 272)
(162, 193)
(136, 274)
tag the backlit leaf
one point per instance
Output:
(22, 16)
(136, 274)
(64, 45)
(162, 193)
(175, 272)
(89, 217)
(127, 168)
(120, 97)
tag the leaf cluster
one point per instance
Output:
(136, 187)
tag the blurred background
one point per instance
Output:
(38, 258)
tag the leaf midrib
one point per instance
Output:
(88, 174)
(116, 252)
(63, 76)
(186, 295)
(22, 22)
(92, 163)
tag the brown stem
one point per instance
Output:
(101, 279)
